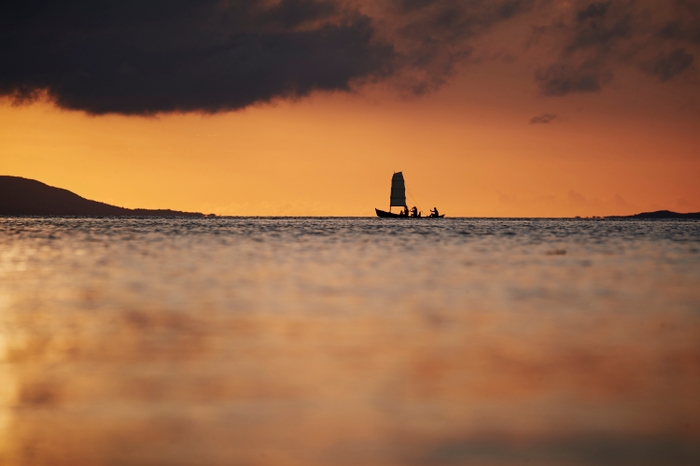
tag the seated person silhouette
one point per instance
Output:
(404, 212)
(414, 212)
(434, 212)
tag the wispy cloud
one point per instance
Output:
(597, 38)
(669, 65)
(543, 118)
(616, 206)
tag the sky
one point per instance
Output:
(513, 108)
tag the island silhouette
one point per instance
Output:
(659, 214)
(22, 196)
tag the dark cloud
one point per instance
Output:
(584, 449)
(292, 13)
(141, 57)
(595, 33)
(676, 30)
(543, 118)
(561, 79)
(449, 21)
(667, 66)
(594, 10)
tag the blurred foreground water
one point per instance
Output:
(251, 341)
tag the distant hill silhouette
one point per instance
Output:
(22, 196)
(661, 214)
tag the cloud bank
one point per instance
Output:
(154, 56)
(140, 57)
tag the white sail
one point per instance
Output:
(398, 190)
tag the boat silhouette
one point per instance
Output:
(398, 199)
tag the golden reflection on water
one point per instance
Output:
(145, 347)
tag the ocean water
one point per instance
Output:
(346, 341)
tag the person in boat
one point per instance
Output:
(414, 211)
(434, 212)
(404, 212)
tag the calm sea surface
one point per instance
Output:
(314, 341)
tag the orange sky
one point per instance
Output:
(467, 148)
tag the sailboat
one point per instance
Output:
(398, 199)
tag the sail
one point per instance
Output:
(398, 190)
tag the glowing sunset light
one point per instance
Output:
(516, 109)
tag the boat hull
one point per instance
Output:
(385, 214)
